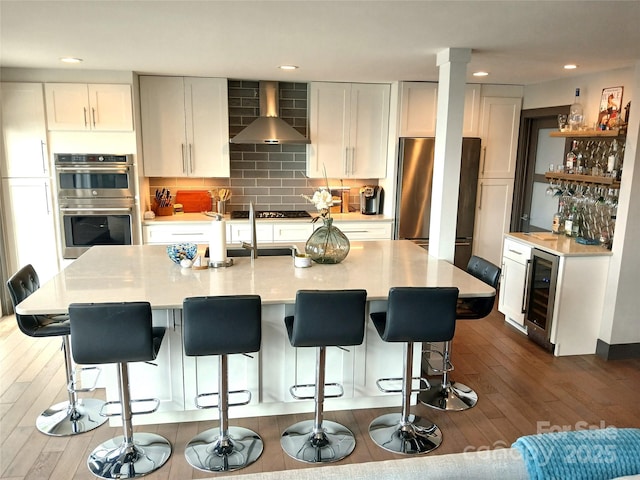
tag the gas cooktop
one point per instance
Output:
(272, 214)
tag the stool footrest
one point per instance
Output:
(105, 407)
(380, 383)
(71, 386)
(294, 388)
(447, 369)
(217, 394)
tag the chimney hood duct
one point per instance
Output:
(268, 128)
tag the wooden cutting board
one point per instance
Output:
(194, 201)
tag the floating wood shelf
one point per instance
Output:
(585, 133)
(572, 177)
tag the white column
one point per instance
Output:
(452, 63)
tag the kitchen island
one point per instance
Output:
(145, 273)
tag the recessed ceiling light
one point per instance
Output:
(71, 60)
(480, 74)
(288, 67)
(570, 66)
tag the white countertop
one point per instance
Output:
(145, 273)
(558, 244)
(202, 218)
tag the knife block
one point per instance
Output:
(161, 211)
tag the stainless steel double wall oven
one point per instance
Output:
(96, 198)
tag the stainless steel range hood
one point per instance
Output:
(268, 128)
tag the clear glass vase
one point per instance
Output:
(327, 244)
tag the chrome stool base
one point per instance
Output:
(412, 438)
(332, 444)
(209, 452)
(455, 397)
(62, 419)
(115, 459)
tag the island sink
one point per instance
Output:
(262, 252)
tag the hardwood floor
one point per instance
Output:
(522, 390)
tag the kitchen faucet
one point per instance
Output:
(253, 246)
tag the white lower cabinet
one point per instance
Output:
(165, 234)
(515, 263)
(493, 214)
(266, 232)
(160, 379)
(292, 232)
(364, 230)
(30, 222)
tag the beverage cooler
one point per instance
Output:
(540, 297)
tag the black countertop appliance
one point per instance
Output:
(371, 197)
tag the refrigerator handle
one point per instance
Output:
(484, 159)
(525, 293)
(480, 199)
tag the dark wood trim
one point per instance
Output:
(523, 163)
(618, 351)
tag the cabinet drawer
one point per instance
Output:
(365, 230)
(516, 251)
(165, 234)
(242, 233)
(292, 232)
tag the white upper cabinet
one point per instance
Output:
(97, 107)
(24, 131)
(499, 127)
(349, 128)
(420, 105)
(185, 126)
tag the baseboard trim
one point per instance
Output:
(617, 351)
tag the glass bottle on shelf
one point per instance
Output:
(570, 164)
(568, 223)
(576, 115)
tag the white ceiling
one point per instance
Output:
(518, 42)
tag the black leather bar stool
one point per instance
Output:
(223, 326)
(74, 415)
(323, 318)
(120, 333)
(414, 314)
(447, 394)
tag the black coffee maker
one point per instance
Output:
(371, 197)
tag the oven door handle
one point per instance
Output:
(118, 169)
(96, 209)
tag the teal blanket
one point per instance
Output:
(585, 454)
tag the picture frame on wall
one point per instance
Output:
(610, 105)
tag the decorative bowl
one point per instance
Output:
(181, 251)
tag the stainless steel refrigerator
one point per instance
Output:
(413, 201)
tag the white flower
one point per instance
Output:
(322, 200)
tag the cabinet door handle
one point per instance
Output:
(346, 160)
(190, 158)
(84, 110)
(182, 151)
(480, 202)
(484, 159)
(525, 293)
(353, 160)
(44, 157)
(46, 198)
(515, 251)
(93, 117)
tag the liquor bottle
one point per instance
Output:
(570, 164)
(568, 223)
(576, 113)
(558, 219)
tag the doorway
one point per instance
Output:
(533, 207)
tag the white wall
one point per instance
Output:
(561, 92)
(621, 316)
